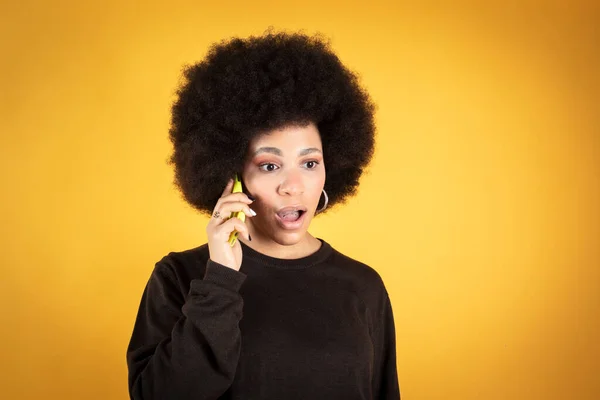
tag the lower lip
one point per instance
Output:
(291, 224)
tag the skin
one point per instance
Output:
(284, 167)
(281, 180)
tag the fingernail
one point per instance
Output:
(250, 197)
(252, 212)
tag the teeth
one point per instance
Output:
(289, 212)
(290, 215)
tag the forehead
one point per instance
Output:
(288, 138)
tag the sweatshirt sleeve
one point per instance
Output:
(186, 348)
(385, 377)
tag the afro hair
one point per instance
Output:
(245, 87)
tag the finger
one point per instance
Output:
(228, 188)
(224, 230)
(232, 197)
(235, 206)
(225, 195)
(238, 196)
(217, 217)
(224, 212)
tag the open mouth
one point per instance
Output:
(291, 218)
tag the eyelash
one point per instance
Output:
(311, 161)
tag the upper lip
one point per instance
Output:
(291, 208)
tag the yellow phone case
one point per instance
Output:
(237, 187)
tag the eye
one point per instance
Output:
(314, 164)
(267, 165)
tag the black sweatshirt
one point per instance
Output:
(317, 327)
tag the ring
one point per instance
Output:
(217, 214)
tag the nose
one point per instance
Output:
(292, 184)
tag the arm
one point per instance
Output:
(385, 374)
(189, 350)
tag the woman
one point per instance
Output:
(281, 314)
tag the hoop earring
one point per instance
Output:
(324, 205)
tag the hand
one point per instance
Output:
(221, 225)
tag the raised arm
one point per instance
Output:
(186, 348)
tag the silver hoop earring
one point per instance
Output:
(324, 205)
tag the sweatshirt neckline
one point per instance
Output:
(284, 263)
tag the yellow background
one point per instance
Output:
(481, 210)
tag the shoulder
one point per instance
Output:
(188, 259)
(357, 276)
(362, 280)
(356, 269)
(179, 267)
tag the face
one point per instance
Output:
(284, 171)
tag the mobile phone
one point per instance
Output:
(237, 188)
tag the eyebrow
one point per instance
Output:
(277, 152)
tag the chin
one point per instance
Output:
(289, 238)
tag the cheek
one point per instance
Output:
(263, 199)
(316, 193)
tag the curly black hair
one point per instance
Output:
(245, 87)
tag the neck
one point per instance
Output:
(267, 245)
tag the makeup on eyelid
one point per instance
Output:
(261, 161)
